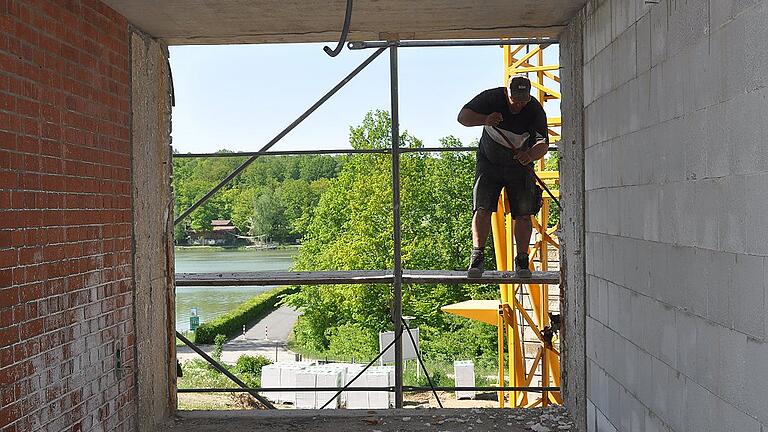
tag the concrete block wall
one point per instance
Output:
(66, 265)
(676, 174)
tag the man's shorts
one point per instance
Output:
(523, 192)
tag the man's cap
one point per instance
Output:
(520, 88)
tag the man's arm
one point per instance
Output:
(538, 150)
(467, 117)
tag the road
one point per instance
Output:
(267, 338)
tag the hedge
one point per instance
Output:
(231, 323)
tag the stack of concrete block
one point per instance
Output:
(282, 375)
(464, 375)
(306, 378)
(355, 399)
(319, 376)
(375, 376)
(270, 378)
(332, 375)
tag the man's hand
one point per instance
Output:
(493, 119)
(524, 157)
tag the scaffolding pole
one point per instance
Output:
(397, 286)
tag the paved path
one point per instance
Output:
(278, 327)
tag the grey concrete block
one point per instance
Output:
(624, 55)
(604, 301)
(622, 14)
(698, 407)
(674, 276)
(644, 390)
(720, 12)
(676, 400)
(718, 145)
(733, 52)
(745, 141)
(653, 423)
(643, 29)
(755, 402)
(603, 425)
(673, 158)
(705, 74)
(695, 142)
(756, 56)
(687, 342)
(637, 415)
(630, 359)
(659, 16)
(732, 363)
(688, 23)
(667, 335)
(748, 294)
(737, 421)
(719, 293)
(593, 298)
(638, 306)
(624, 421)
(707, 353)
(591, 417)
(614, 402)
(660, 287)
(659, 401)
(706, 212)
(603, 26)
(733, 215)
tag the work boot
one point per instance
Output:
(475, 269)
(521, 266)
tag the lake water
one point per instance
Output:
(212, 302)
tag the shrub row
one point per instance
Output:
(231, 323)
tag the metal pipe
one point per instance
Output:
(332, 152)
(224, 370)
(344, 32)
(356, 389)
(279, 136)
(357, 45)
(397, 286)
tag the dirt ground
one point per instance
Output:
(550, 419)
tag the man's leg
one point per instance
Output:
(523, 230)
(481, 226)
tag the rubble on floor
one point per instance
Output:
(549, 419)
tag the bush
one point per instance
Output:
(251, 365)
(231, 323)
(218, 347)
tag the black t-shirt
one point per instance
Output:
(524, 129)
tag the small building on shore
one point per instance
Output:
(222, 233)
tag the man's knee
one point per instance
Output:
(523, 218)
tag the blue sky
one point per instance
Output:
(238, 97)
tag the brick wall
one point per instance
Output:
(676, 165)
(65, 217)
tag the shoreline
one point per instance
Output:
(235, 248)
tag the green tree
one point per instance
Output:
(351, 228)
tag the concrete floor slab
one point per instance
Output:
(179, 22)
(550, 419)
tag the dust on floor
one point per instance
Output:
(549, 419)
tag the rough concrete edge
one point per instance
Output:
(148, 420)
(571, 149)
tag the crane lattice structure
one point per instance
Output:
(522, 313)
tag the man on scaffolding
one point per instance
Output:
(514, 136)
